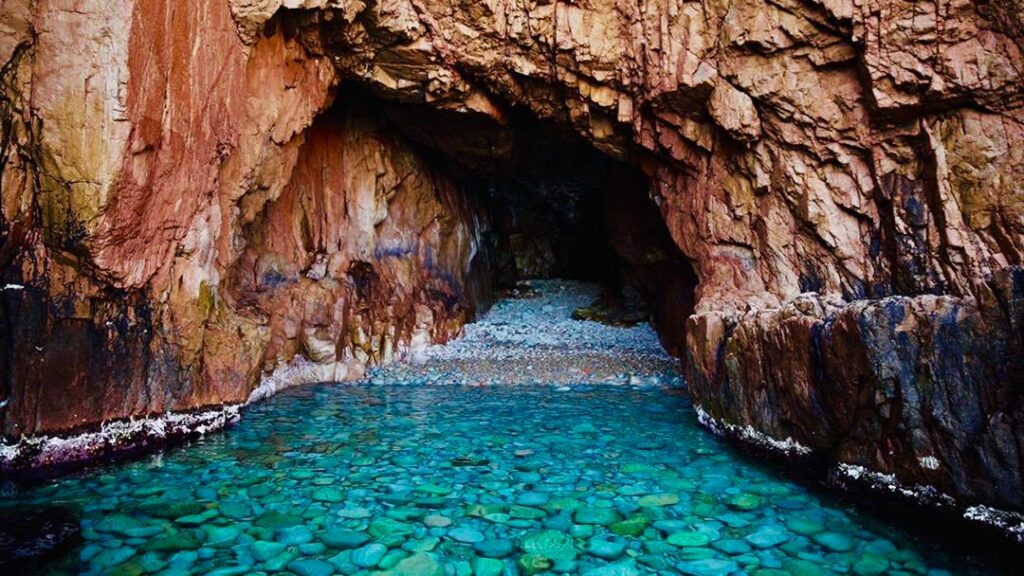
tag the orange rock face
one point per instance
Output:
(194, 222)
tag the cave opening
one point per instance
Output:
(554, 207)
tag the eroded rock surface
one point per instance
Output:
(843, 176)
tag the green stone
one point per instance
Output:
(293, 535)
(798, 567)
(329, 494)
(260, 491)
(707, 567)
(384, 527)
(564, 504)
(424, 545)
(417, 565)
(597, 516)
(688, 538)
(481, 510)
(404, 513)
(549, 544)
(437, 521)
(804, 527)
(220, 536)
(144, 531)
(620, 569)
(342, 538)
(434, 489)
(655, 561)
(235, 510)
(393, 540)
(118, 524)
(171, 510)
(392, 558)
(834, 541)
(278, 563)
(704, 510)
(152, 562)
(263, 551)
(768, 536)
(462, 568)
(275, 519)
(368, 556)
(112, 557)
(312, 548)
(173, 542)
(197, 519)
(870, 565)
(632, 526)
(526, 512)
(582, 530)
(640, 468)
(342, 561)
(530, 564)
(311, 567)
(466, 535)
(696, 553)
(654, 500)
(606, 547)
(354, 513)
(487, 567)
(126, 569)
(745, 502)
(731, 547)
(494, 548)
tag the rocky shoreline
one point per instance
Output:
(53, 454)
(931, 510)
(517, 342)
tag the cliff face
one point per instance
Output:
(188, 218)
(177, 227)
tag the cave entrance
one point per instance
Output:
(557, 207)
(543, 201)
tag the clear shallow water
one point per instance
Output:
(453, 480)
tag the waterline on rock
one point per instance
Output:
(113, 437)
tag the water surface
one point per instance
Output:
(450, 480)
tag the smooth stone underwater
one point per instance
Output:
(424, 480)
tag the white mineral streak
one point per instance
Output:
(303, 371)
(43, 450)
(749, 434)
(1010, 522)
(889, 483)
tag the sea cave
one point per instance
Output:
(418, 288)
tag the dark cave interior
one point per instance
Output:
(557, 207)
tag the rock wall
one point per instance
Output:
(184, 225)
(843, 175)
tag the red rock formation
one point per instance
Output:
(843, 175)
(141, 184)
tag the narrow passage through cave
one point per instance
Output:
(554, 207)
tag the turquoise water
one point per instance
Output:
(453, 480)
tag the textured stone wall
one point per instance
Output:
(843, 175)
(170, 238)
